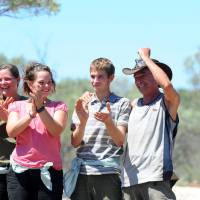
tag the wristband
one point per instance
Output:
(39, 110)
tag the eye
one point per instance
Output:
(41, 82)
(92, 76)
(8, 79)
(100, 76)
(50, 82)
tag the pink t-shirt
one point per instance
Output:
(35, 146)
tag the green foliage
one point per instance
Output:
(16, 8)
(192, 65)
(186, 155)
(19, 61)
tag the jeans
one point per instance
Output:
(29, 186)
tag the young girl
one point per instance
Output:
(37, 124)
(9, 81)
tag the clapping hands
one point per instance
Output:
(4, 108)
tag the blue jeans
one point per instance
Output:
(29, 186)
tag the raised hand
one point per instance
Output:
(7, 102)
(86, 98)
(81, 110)
(4, 108)
(37, 98)
(144, 52)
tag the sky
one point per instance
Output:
(85, 30)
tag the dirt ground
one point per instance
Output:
(187, 193)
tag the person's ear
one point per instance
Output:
(18, 80)
(112, 77)
(30, 85)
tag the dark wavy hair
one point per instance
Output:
(30, 74)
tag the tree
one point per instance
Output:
(19, 60)
(192, 65)
(13, 8)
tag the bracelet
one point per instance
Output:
(31, 115)
(39, 110)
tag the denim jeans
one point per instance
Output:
(29, 186)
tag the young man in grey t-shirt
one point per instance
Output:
(98, 133)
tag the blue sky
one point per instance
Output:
(85, 30)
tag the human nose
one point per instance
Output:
(47, 85)
(138, 81)
(2, 81)
(96, 79)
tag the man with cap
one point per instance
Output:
(147, 167)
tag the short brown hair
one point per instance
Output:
(103, 64)
(13, 70)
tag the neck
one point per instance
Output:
(101, 95)
(45, 100)
(16, 97)
(149, 98)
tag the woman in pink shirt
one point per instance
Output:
(36, 123)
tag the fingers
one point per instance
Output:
(86, 97)
(81, 111)
(79, 106)
(37, 99)
(7, 102)
(144, 52)
(98, 116)
(102, 116)
(108, 107)
(2, 109)
(79, 103)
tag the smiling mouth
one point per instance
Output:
(4, 90)
(45, 91)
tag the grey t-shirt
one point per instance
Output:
(148, 155)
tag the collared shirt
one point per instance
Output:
(97, 144)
